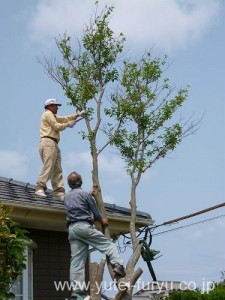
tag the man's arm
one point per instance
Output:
(65, 119)
(95, 210)
(73, 117)
(53, 122)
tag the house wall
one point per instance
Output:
(159, 289)
(51, 261)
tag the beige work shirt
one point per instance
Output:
(51, 124)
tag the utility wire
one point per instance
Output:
(189, 225)
(190, 215)
(171, 222)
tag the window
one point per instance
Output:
(23, 286)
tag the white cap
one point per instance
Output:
(51, 101)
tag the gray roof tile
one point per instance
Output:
(21, 192)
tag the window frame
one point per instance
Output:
(26, 277)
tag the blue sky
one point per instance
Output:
(190, 179)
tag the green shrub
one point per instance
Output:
(12, 247)
(218, 293)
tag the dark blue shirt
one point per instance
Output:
(81, 206)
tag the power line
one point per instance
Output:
(151, 229)
(190, 215)
(189, 225)
(194, 214)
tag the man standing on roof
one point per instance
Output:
(82, 211)
(50, 154)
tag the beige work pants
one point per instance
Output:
(51, 157)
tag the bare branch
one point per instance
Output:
(135, 276)
(110, 140)
(134, 259)
(51, 69)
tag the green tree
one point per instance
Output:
(12, 245)
(217, 293)
(127, 104)
(144, 107)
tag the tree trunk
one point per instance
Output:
(96, 271)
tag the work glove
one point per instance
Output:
(82, 113)
(71, 124)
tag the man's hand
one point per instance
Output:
(94, 190)
(104, 221)
(71, 124)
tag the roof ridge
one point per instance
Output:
(20, 183)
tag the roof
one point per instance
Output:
(159, 289)
(37, 212)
